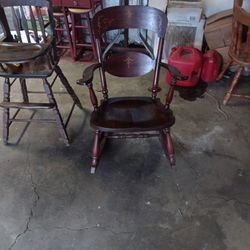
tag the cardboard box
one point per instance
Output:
(185, 28)
(184, 15)
(218, 29)
(183, 34)
(185, 3)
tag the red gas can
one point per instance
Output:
(189, 62)
(212, 62)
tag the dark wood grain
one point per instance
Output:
(85, 4)
(125, 17)
(88, 74)
(129, 64)
(6, 110)
(129, 116)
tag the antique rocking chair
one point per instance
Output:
(136, 116)
(28, 51)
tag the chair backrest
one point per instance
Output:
(27, 21)
(130, 17)
(240, 45)
(127, 62)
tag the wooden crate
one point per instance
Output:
(218, 29)
(179, 34)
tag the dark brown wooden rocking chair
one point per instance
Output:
(28, 51)
(130, 117)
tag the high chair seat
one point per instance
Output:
(78, 10)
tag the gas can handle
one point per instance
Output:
(174, 72)
(182, 49)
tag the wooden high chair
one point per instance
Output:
(28, 51)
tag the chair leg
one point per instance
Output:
(91, 35)
(169, 96)
(224, 70)
(67, 86)
(57, 29)
(233, 84)
(96, 151)
(68, 32)
(168, 146)
(6, 111)
(24, 90)
(58, 117)
(73, 24)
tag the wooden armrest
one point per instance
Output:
(12, 53)
(174, 72)
(86, 80)
(88, 74)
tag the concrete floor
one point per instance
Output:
(135, 201)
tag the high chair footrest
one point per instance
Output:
(30, 105)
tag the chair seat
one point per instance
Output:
(79, 10)
(58, 14)
(131, 114)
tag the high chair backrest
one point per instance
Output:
(28, 21)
